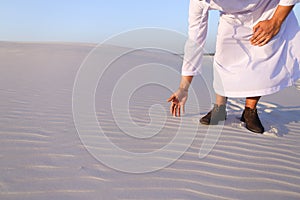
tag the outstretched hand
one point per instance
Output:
(178, 100)
(264, 31)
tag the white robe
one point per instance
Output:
(241, 69)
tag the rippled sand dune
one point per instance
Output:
(44, 155)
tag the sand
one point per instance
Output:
(42, 156)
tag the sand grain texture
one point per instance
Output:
(42, 157)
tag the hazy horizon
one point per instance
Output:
(94, 21)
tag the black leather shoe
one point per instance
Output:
(218, 113)
(250, 117)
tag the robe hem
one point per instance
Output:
(255, 93)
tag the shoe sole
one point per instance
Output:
(243, 120)
(214, 123)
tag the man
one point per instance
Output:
(256, 54)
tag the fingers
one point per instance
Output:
(173, 105)
(175, 109)
(171, 98)
(259, 37)
(263, 42)
(260, 40)
(255, 29)
(179, 110)
(263, 32)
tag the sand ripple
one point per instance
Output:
(42, 157)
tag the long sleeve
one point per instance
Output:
(288, 2)
(194, 47)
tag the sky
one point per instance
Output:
(92, 21)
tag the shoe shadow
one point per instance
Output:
(275, 118)
(278, 120)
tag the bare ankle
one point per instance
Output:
(221, 100)
(251, 102)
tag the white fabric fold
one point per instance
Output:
(241, 69)
(288, 2)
